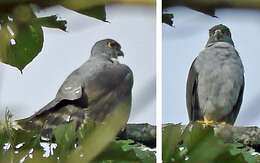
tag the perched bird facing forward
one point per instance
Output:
(215, 82)
(91, 92)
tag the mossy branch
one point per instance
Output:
(141, 133)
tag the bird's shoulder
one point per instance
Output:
(220, 45)
(217, 51)
(71, 88)
(95, 71)
(104, 66)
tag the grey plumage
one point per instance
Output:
(91, 92)
(215, 82)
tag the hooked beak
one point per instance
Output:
(218, 34)
(120, 53)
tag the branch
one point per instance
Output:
(142, 133)
(249, 136)
(249, 4)
(209, 6)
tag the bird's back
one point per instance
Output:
(97, 81)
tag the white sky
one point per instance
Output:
(63, 52)
(184, 42)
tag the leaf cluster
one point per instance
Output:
(197, 143)
(21, 30)
(70, 145)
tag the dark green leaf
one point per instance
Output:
(126, 151)
(21, 40)
(170, 139)
(65, 138)
(200, 139)
(28, 43)
(98, 12)
(199, 144)
(208, 11)
(240, 149)
(167, 19)
(226, 157)
(51, 22)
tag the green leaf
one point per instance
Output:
(208, 11)
(28, 43)
(226, 157)
(199, 144)
(66, 135)
(126, 151)
(65, 138)
(240, 149)
(21, 39)
(104, 133)
(51, 22)
(200, 139)
(170, 139)
(167, 19)
(98, 12)
(21, 35)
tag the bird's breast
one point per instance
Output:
(220, 77)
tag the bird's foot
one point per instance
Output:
(206, 122)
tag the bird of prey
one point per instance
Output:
(91, 92)
(215, 84)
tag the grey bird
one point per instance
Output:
(215, 84)
(91, 92)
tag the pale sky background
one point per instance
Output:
(132, 26)
(183, 43)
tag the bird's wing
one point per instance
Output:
(71, 89)
(192, 100)
(90, 83)
(232, 116)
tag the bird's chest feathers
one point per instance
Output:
(220, 76)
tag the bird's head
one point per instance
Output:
(220, 33)
(107, 48)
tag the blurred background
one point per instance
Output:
(183, 42)
(63, 52)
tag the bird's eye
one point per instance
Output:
(112, 45)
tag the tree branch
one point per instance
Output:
(141, 133)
